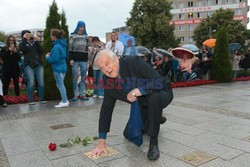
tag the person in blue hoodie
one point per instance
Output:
(57, 58)
(78, 55)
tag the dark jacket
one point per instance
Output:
(57, 56)
(134, 69)
(32, 52)
(10, 60)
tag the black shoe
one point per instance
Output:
(153, 152)
(163, 119)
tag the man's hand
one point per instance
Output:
(133, 94)
(100, 149)
(72, 62)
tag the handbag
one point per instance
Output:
(90, 70)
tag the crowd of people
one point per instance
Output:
(81, 55)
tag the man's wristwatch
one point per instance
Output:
(133, 93)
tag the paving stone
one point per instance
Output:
(3, 158)
(227, 141)
(73, 161)
(31, 159)
(18, 145)
(183, 128)
(221, 151)
(219, 163)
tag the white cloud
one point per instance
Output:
(100, 16)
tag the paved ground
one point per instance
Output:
(208, 126)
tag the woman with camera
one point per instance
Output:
(10, 56)
(33, 66)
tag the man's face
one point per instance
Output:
(114, 37)
(109, 66)
(95, 43)
(129, 43)
(80, 30)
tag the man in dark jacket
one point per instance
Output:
(152, 97)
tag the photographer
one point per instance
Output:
(10, 56)
(33, 66)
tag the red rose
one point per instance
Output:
(52, 146)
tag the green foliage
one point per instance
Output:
(78, 140)
(2, 37)
(53, 21)
(149, 23)
(210, 27)
(222, 68)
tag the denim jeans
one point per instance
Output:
(83, 69)
(31, 74)
(185, 75)
(59, 77)
(98, 76)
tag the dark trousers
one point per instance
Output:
(6, 82)
(151, 107)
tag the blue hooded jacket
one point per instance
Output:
(80, 24)
(57, 56)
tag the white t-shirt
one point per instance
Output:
(117, 49)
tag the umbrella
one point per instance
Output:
(234, 46)
(180, 52)
(143, 51)
(123, 37)
(191, 47)
(210, 42)
(164, 53)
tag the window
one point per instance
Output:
(190, 27)
(199, 3)
(190, 15)
(209, 2)
(182, 39)
(181, 5)
(190, 4)
(181, 16)
(190, 39)
(209, 13)
(238, 1)
(228, 1)
(218, 2)
(173, 5)
(199, 15)
(181, 28)
(238, 12)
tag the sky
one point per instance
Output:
(100, 16)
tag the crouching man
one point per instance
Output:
(132, 80)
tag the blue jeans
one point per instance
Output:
(31, 74)
(83, 69)
(98, 76)
(59, 77)
(185, 75)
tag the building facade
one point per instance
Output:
(36, 31)
(187, 14)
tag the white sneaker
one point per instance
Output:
(101, 97)
(61, 105)
(94, 96)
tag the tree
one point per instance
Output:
(222, 68)
(2, 36)
(68, 77)
(52, 21)
(149, 23)
(209, 27)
